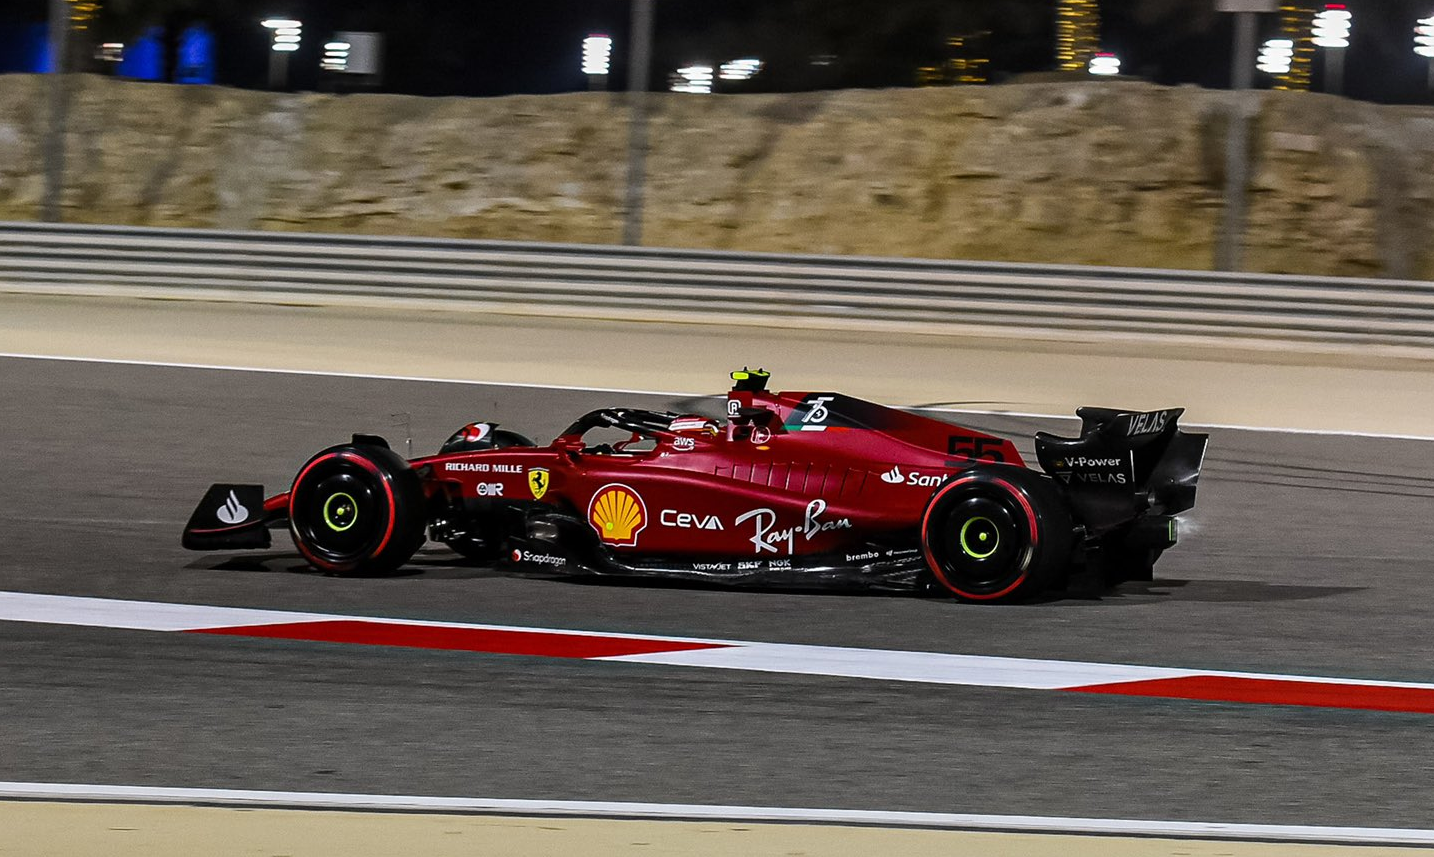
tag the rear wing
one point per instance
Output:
(1125, 465)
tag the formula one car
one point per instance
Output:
(791, 489)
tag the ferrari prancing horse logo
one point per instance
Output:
(538, 481)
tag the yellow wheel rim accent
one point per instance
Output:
(982, 543)
(340, 512)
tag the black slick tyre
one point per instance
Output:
(997, 533)
(357, 510)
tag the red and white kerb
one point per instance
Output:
(877, 664)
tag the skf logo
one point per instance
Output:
(538, 481)
(618, 514)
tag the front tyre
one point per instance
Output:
(357, 510)
(997, 533)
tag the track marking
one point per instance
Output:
(505, 641)
(265, 370)
(782, 658)
(701, 812)
(362, 376)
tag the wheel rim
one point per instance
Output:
(980, 537)
(979, 541)
(339, 511)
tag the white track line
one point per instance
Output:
(364, 376)
(704, 812)
(267, 370)
(167, 616)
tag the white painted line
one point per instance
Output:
(164, 616)
(917, 667)
(363, 376)
(705, 812)
(134, 615)
(266, 370)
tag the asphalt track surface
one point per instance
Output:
(1308, 557)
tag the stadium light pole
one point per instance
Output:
(287, 33)
(597, 60)
(1424, 44)
(1331, 32)
(1104, 64)
(1277, 56)
(1230, 248)
(639, 60)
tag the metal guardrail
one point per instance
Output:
(626, 282)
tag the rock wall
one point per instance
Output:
(1089, 171)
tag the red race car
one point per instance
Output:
(791, 489)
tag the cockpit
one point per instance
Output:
(646, 431)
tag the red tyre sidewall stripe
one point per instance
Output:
(931, 558)
(365, 464)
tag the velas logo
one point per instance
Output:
(893, 476)
(232, 511)
(538, 481)
(618, 514)
(1150, 423)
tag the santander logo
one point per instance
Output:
(916, 478)
(232, 512)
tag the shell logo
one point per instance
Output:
(618, 514)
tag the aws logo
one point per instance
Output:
(618, 514)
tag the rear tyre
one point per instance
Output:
(997, 533)
(357, 510)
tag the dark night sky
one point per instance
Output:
(492, 47)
